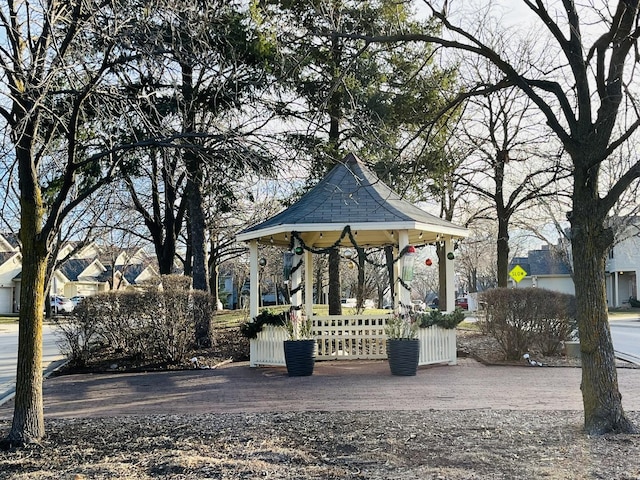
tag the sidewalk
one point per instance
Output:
(334, 386)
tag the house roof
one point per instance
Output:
(12, 239)
(542, 262)
(106, 275)
(73, 267)
(6, 256)
(131, 272)
(351, 194)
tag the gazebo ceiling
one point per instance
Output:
(351, 195)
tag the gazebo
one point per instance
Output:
(350, 204)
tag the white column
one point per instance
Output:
(254, 280)
(395, 301)
(450, 277)
(308, 283)
(296, 277)
(616, 294)
(404, 295)
(254, 294)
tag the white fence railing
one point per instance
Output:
(347, 337)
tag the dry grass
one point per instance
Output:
(353, 445)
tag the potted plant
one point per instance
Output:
(403, 346)
(299, 350)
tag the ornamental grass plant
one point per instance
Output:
(401, 327)
(299, 326)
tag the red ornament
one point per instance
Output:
(428, 262)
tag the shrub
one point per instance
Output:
(443, 320)
(151, 324)
(528, 319)
(79, 335)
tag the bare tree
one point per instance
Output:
(507, 166)
(476, 261)
(581, 100)
(56, 67)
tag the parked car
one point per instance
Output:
(462, 302)
(77, 299)
(349, 302)
(60, 304)
(419, 305)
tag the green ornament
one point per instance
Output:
(450, 256)
(298, 250)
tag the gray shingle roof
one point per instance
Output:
(12, 239)
(542, 262)
(5, 256)
(352, 194)
(131, 272)
(74, 267)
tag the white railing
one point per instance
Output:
(268, 347)
(350, 337)
(437, 345)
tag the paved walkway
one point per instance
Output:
(334, 386)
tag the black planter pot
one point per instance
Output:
(300, 357)
(403, 356)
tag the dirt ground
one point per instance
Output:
(453, 445)
(436, 444)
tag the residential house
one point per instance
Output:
(10, 269)
(81, 271)
(546, 268)
(622, 269)
(549, 268)
(78, 276)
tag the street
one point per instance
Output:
(626, 338)
(9, 352)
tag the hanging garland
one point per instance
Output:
(346, 231)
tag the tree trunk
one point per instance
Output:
(502, 245)
(197, 224)
(319, 267)
(603, 411)
(198, 241)
(442, 277)
(28, 412)
(388, 256)
(335, 298)
(360, 289)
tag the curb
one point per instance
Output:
(10, 392)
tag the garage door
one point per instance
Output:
(6, 300)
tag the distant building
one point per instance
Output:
(550, 268)
(546, 268)
(622, 269)
(82, 270)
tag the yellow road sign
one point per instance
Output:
(517, 273)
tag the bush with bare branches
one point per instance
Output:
(151, 324)
(528, 319)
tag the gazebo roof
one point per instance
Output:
(351, 195)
